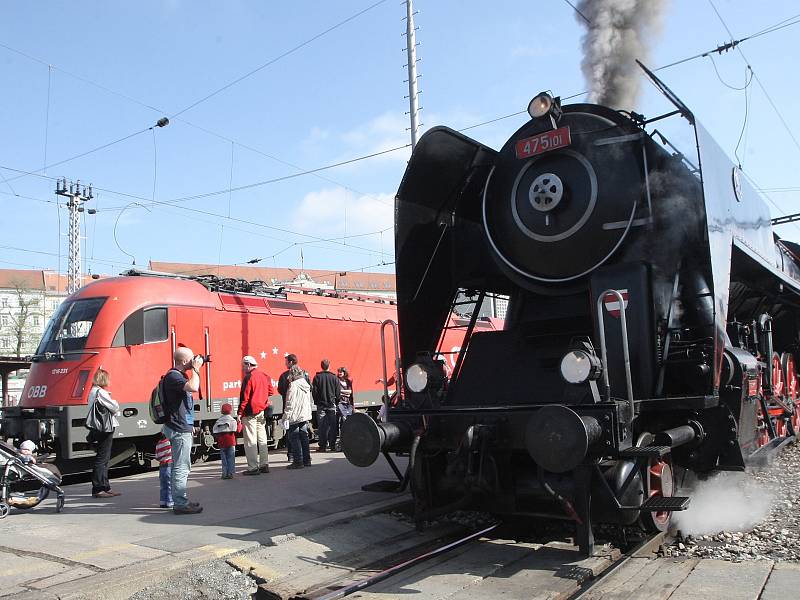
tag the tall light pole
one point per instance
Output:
(76, 194)
(411, 55)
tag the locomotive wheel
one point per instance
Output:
(790, 375)
(428, 471)
(762, 434)
(778, 391)
(660, 482)
(781, 430)
(778, 380)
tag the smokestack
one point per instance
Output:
(617, 33)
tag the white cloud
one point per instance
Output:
(322, 213)
(383, 132)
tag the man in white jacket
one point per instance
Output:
(296, 414)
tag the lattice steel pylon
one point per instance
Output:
(411, 55)
(77, 194)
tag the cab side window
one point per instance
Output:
(143, 326)
(155, 325)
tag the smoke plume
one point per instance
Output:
(618, 32)
(725, 502)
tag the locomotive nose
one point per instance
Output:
(557, 438)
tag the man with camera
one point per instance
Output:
(180, 382)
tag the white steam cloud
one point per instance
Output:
(725, 502)
(617, 33)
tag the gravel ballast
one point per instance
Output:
(215, 580)
(762, 509)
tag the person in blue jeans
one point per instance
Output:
(225, 430)
(297, 414)
(178, 385)
(164, 458)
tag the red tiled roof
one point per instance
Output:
(377, 282)
(23, 278)
(31, 279)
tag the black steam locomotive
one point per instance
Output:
(651, 328)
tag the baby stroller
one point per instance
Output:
(18, 482)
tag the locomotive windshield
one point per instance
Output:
(69, 328)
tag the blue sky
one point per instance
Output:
(339, 97)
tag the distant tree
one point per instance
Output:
(21, 320)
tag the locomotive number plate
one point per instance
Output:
(549, 140)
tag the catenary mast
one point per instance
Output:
(77, 194)
(411, 55)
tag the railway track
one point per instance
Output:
(445, 561)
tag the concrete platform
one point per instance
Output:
(44, 554)
(692, 578)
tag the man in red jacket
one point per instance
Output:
(253, 403)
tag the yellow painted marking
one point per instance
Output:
(217, 551)
(107, 550)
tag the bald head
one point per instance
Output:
(182, 356)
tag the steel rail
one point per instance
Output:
(650, 545)
(361, 584)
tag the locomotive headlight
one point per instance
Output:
(579, 366)
(540, 105)
(417, 377)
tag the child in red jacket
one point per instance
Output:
(225, 430)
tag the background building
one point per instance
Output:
(28, 299)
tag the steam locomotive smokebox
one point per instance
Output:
(558, 438)
(363, 439)
(583, 195)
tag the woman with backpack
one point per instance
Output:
(101, 422)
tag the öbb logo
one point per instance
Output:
(37, 391)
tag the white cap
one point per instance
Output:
(27, 445)
(249, 360)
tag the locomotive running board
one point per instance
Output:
(664, 504)
(645, 451)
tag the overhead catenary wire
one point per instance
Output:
(746, 114)
(764, 91)
(780, 25)
(47, 117)
(142, 201)
(46, 253)
(312, 171)
(82, 154)
(755, 75)
(277, 58)
(205, 130)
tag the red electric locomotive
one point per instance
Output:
(131, 325)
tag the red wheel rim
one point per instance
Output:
(661, 485)
(791, 389)
(778, 382)
(762, 436)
